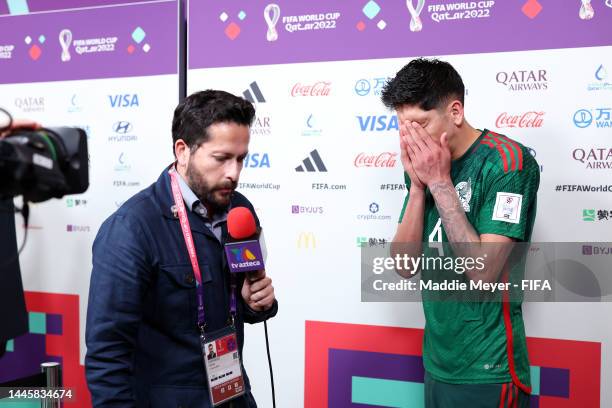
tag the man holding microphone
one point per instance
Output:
(161, 292)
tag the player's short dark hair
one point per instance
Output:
(198, 111)
(426, 83)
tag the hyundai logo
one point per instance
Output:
(122, 127)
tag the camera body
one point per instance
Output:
(44, 163)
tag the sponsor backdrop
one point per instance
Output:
(325, 176)
(323, 170)
(111, 70)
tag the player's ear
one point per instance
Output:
(455, 110)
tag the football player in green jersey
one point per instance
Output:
(475, 190)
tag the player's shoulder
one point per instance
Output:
(505, 155)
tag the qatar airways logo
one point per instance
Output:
(319, 88)
(380, 160)
(531, 119)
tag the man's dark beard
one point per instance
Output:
(205, 193)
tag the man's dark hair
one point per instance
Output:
(198, 111)
(426, 83)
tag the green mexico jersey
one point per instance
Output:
(479, 342)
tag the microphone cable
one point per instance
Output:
(270, 364)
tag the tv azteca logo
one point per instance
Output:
(244, 257)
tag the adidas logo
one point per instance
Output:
(307, 163)
(258, 95)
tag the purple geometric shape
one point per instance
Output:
(554, 382)
(512, 31)
(30, 352)
(54, 324)
(344, 364)
(158, 18)
(534, 401)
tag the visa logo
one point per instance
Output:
(123, 101)
(257, 160)
(378, 123)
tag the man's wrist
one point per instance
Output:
(443, 182)
(416, 191)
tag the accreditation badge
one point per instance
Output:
(222, 362)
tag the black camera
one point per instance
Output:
(44, 163)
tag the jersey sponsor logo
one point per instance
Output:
(464, 191)
(508, 207)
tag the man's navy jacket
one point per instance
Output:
(143, 343)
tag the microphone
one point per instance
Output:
(246, 250)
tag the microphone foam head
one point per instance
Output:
(241, 223)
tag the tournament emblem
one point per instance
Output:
(464, 191)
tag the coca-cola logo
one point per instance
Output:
(531, 119)
(384, 159)
(320, 88)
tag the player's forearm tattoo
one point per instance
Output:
(456, 224)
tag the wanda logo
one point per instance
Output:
(320, 88)
(384, 159)
(531, 119)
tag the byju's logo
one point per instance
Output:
(122, 127)
(583, 118)
(123, 100)
(382, 123)
(374, 86)
(306, 209)
(254, 90)
(312, 164)
(591, 250)
(77, 228)
(257, 160)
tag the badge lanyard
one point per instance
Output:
(186, 229)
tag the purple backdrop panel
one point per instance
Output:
(345, 364)
(554, 382)
(105, 42)
(257, 32)
(46, 5)
(25, 360)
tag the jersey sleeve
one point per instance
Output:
(407, 182)
(510, 200)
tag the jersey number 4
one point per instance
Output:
(435, 238)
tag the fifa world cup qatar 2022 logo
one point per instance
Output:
(415, 11)
(271, 15)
